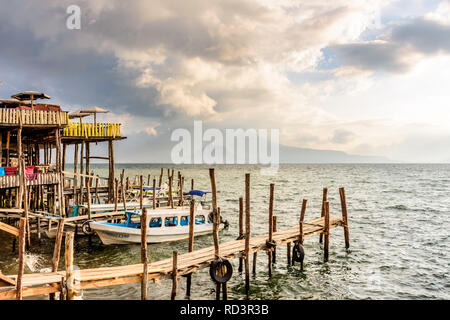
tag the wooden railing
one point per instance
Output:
(42, 178)
(88, 130)
(33, 117)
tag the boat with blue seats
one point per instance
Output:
(164, 225)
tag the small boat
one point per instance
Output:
(164, 225)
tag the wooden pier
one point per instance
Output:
(46, 283)
(70, 284)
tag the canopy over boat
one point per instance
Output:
(199, 193)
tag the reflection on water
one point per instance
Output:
(398, 217)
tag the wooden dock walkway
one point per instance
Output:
(45, 283)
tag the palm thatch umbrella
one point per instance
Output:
(78, 114)
(30, 96)
(94, 110)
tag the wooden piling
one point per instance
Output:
(154, 194)
(269, 252)
(215, 213)
(81, 171)
(274, 252)
(57, 248)
(144, 254)
(191, 243)
(247, 232)
(288, 253)
(22, 232)
(326, 228)
(160, 178)
(174, 275)
(70, 281)
(141, 192)
(180, 193)
(75, 177)
(241, 228)
(111, 167)
(301, 222)
(116, 194)
(123, 195)
(170, 192)
(344, 217)
(324, 199)
(88, 189)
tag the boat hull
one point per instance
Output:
(110, 234)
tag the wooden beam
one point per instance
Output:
(10, 229)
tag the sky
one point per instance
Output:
(363, 77)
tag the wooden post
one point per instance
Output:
(111, 167)
(62, 207)
(154, 194)
(326, 231)
(88, 159)
(25, 202)
(324, 199)
(116, 194)
(288, 247)
(123, 195)
(19, 195)
(255, 259)
(81, 171)
(174, 275)
(274, 252)
(269, 253)
(215, 215)
(57, 249)
(212, 178)
(192, 184)
(170, 192)
(301, 222)
(148, 179)
(160, 178)
(241, 228)
(144, 253)
(180, 195)
(19, 285)
(344, 217)
(8, 138)
(88, 189)
(141, 192)
(75, 177)
(64, 157)
(247, 232)
(38, 221)
(70, 281)
(191, 242)
(96, 190)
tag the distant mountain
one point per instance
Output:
(305, 155)
(141, 148)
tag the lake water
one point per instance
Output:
(399, 234)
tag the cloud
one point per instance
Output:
(403, 48)
(342, 136)
(160, 65)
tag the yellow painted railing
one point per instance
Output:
(92, 130)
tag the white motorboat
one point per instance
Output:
(164, 225)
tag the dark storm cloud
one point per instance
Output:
(393, 54)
